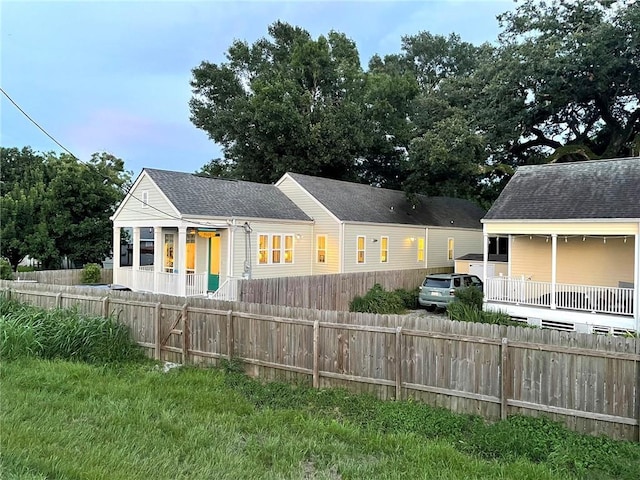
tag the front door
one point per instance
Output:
(214, 264)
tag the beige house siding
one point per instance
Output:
(302, 250)
(132, 209)
(324, 224)
(465, 241)
(584, 262)
(402, 247)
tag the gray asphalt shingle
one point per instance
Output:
(363, 203)
(216, 197)
(598, 189)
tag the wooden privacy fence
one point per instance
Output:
(329, 292)
(62, 277)
(588, 382)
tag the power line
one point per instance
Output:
(88, 165)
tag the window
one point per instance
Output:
(450, 253)
(384, 249)
(145, 199)
(498, 245)
(263, 248)
(191, 252)
(276, 246)
(288, 249)
(360, 249)
(321, 249)
(168, 252)
(421, 249)
(275, 249)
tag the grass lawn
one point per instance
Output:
(72, 420)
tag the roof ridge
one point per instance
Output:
(596, 160)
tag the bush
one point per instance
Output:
(471, 296)
(378, 300)
(27, 331)
(91, 273)
(6, 273)
(409, 298)
(465, 312)
(26, 268)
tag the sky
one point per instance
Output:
(113, 76)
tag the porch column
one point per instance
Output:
(135, 261)
(509, 246)
(158, 258)
(116, 254)
(182, 261)
(485, 256)
(554, 262)
(636, 281)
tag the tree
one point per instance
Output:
(564, 84)
(290, 102)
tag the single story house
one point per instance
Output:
(573, 246)
(210, 232)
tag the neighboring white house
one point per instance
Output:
(574, 252)
(212, 232)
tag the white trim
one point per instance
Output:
(384, 237)
(240, 220)
(364, 249)
(317, 249)
(451, 257)
(341, 260)
(554, 268)
(270, 250)
(559, 220)
(315, 200)
(127, 197)
(636, 279)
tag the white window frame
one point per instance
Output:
(451, 248)
(321, 250)
(145, 198)
(269, 252)
(384, 249)
(420, 250)
(363, 250)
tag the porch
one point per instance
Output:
(145, 279)
(565, 306)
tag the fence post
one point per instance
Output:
(398, 363)
(316, 354)
(229, 334)
(105, 307)
(156, 321)
(186, 339)
(504, 378)
(59, 300)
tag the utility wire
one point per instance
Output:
(88, 165)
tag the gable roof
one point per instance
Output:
(582, 190)
(216, 197)
(355, 202)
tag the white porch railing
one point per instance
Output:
(588, 298)
(196, 284)
(229, 290)
(144, 279)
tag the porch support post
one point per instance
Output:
(182, 261)
(116, 254)
(158, 258)
(135, 261)
(554, 264)
(636, 281)
(509, 246)
(485, 256)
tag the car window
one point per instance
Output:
(468, 281)
(475, 281)
(457, 282)
(437, 282)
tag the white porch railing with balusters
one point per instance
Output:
(590, 298)
(144, 279)
(229, 290)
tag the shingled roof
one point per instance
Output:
(355, 202)
(596, 189)
(215, 197)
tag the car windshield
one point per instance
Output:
(437, 282)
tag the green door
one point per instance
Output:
(214, 264)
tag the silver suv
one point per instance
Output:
(438, 290)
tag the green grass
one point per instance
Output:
(68, 420)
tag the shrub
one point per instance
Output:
(26, 268)
(378, 300)
(409, 298)
(6, 273)
(27, 331)
(471, 296)
(465, 309)
(91, 273)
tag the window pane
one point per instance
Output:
(321, 250)
(288, 249)
(263, 245)
(276, 244)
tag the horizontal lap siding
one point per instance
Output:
(133, 211)
(585, 262)
(403, 251)
(465, 241)
(324, 224)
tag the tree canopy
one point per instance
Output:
(440, 117)
(55, 207)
